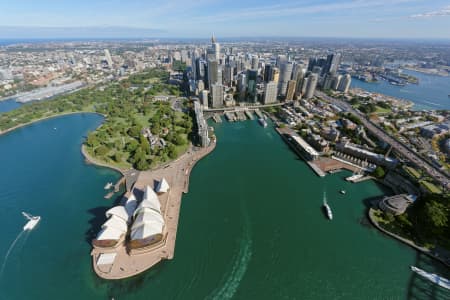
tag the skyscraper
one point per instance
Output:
(291, 89)
(108, 58)
(267, 73)
(270, 92)
(252, 76)
(213, 52)
(332, 64)
(275, 76)
(217, 95)
(213, 72)
(285, 76)
(255, 62)
(311, 86)
(344, 85)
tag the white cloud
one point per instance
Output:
(438, 13)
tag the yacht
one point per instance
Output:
(441, 281)
(327, 208)
(262, 122)
(343, 192)
(32, 221)
(108, 186)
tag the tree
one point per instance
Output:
(117, 157)
(92, 140)
(101, 150)
(379, 172)
(142, 164)
(437, 215)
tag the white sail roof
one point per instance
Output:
(162, 186)
(147, 216)
(109, 233)
(118, 211)
(150, 201)
(131, 204)
(146, 230)
(116, 223)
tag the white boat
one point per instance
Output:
(343, 192)
(32, 221)
(108, 186)
(262, 122)
(327, 207)
(441, 281)
(354, 177)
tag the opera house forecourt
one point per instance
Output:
(141, 231)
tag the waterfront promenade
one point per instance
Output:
(126, 263)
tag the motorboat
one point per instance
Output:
(327, 208)
(108, 186)
(262, 122)
(441, 281)
(343, 192)
(32, 221)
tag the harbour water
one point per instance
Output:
(7, 105)
(431, 92)
(251, 226)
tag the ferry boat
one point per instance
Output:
(327, 208)
(32, 221)
(108, 186)
(262, 122)
(441, 281)
(354, 177)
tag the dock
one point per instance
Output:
(258, 113)
(240, 115)
(230, 116)
(217, 118)
(249, 114)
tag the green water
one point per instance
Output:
(251, 226)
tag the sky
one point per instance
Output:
(414, 19)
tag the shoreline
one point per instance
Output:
(406, 241)
(46, 118)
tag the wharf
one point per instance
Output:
(249, 114)
(217, 118)
(230, 116)
(311, 164)
(258, 113)
(128, 263)
(240, 115)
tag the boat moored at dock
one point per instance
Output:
(262, 122)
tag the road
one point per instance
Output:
(412, 156)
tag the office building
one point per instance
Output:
(311, 86)
(292, 84)
(285, 76)
(108, 58)
(252, 76)
(213, 73)
(344, 84)
(270, 92)
(217, 95)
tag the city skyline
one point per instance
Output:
(175, 19)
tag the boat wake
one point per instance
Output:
(240, 265)
(5, 259)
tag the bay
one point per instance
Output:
(431, 92)
(251, 226)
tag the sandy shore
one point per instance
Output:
(177, 175)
